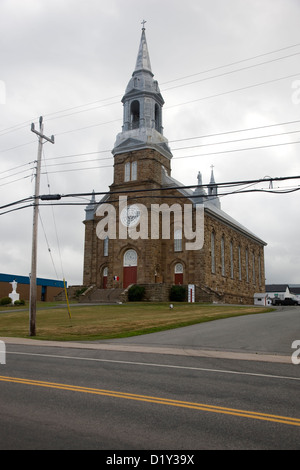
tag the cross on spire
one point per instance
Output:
(143, 23)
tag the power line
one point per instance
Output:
(16, 167)
(133, 193)
(175, 158)
(15, 181)
(230, 72)
(238, 130)
(25, 123)
(192, 138)
(235, 90)
(184, 156)
(233, 63)
(179, 140)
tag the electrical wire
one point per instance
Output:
(26, 123)
(54, 222)
(233, 91)
(183, 157)
(173, 150)
(234, 63)
(230, 72)
(165, 188)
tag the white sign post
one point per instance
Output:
(191, 293)
(2, 353)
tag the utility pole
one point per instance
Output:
(33, 287)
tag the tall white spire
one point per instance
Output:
(143, 102)
(143, 58)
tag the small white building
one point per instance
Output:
(262, 299)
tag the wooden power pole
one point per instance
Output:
(33, 287)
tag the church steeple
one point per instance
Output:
(143, 58)
(142, 102)
(213, 190)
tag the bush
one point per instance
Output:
(19, 302)
(178, 293)
(79, 292)
(136, 293)
(5, 301)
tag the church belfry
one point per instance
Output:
(142, 109)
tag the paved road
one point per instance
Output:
(271, 333)
(112, 396)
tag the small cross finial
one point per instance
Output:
(143, 23)
(212, 167)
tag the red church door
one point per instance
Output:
(178, 274)
(129, 275)
(129, 268)
(104, 278)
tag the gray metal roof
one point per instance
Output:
(276, 287)
(210, 208)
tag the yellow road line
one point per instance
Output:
(157, 400)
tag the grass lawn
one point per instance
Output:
(89, 323)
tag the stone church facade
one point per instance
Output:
(122, 245)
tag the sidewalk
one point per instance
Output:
(177, 351)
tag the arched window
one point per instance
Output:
(223, 255)
(178, 240)
(127, 172)
(133, 171)
(105, 271)
(157, 118)
(105, 246)
(130, 258)
(231, 260)
(130, 171)
(178, 268)
(135, 114)
(213, 260)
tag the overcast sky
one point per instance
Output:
(222, 66)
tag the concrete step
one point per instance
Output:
(104, 296)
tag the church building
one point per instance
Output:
(151, 230)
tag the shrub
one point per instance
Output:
(136, 293)
(178, 293)
(79, 292)
(19, 302)
(5, 301)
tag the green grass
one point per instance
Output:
(89, 323)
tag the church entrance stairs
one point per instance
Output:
(102, 296)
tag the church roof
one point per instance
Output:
(227, 219)
(210, 208)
